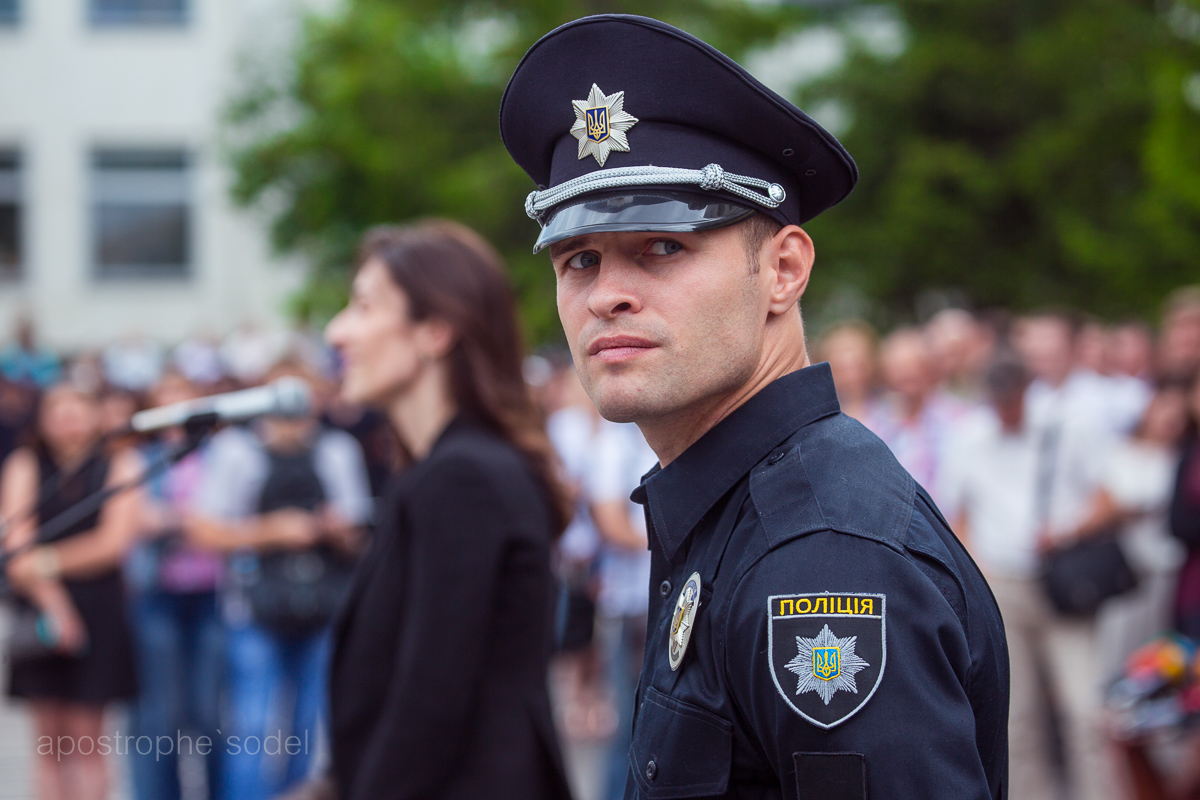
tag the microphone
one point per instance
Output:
(286, 397)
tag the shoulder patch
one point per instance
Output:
(827, 652)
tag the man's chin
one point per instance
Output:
(623, 403)
(619, 414)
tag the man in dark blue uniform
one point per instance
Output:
(815, 629)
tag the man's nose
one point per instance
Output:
(616, 289)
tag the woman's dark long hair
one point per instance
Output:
(451, 273)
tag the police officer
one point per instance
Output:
(815, 630)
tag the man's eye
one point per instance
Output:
(583, 260)
(664, 247)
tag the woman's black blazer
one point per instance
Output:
(438, 680)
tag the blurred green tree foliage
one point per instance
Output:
(1013, 152)
(1022, 152)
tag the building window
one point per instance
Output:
(137, 12)
(141, 213)
(10, 215)
(10, 12)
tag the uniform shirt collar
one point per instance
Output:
(680, 494)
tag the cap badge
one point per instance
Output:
(600, 124)
(683, 620)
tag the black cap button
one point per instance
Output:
(776, 457)
(664, 588)
(651, 770)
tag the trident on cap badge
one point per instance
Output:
(601, 123)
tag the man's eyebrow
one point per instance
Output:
(575, 242)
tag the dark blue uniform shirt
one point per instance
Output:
(844, 644)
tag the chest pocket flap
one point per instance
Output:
(679, 750)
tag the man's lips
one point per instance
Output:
(619, 348)
(614, 342)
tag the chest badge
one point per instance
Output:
(827, 652)
(683, 619)
(601, 123)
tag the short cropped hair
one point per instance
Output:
(756, 231)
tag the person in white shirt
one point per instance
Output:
(1136, 480)
(620, 458)
(916, 419)
(288, 499)
(586, 709)
(1018, 489)
(1065, 390)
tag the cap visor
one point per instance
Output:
(667, 211)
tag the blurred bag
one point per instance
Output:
(295, 592)
(1080, 576)
(31, 634)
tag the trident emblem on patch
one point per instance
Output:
(826, 662)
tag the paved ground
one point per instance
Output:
(17, 746)
(14, 755)
(15, 740)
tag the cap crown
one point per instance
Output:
(691, 106)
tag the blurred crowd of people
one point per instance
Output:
(201, 600)
(212, 587)
(1032, 433)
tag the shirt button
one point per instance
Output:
(775, 458)
(664, 588)
(651, 770)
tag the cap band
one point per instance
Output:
(713, 178)
(667, 210)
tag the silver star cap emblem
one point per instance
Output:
(826, 664)
(601, 123)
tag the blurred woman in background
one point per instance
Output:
(75, 582)
(438, 685)
(1135, 481)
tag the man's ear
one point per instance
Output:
(789, 255)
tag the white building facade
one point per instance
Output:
(115, 213)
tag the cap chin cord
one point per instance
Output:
(712, 178)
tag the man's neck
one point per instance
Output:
(670, 435)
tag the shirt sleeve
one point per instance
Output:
(458, 536)
(234, 469)
(343, 471)
(883, 689)
(606, 479)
